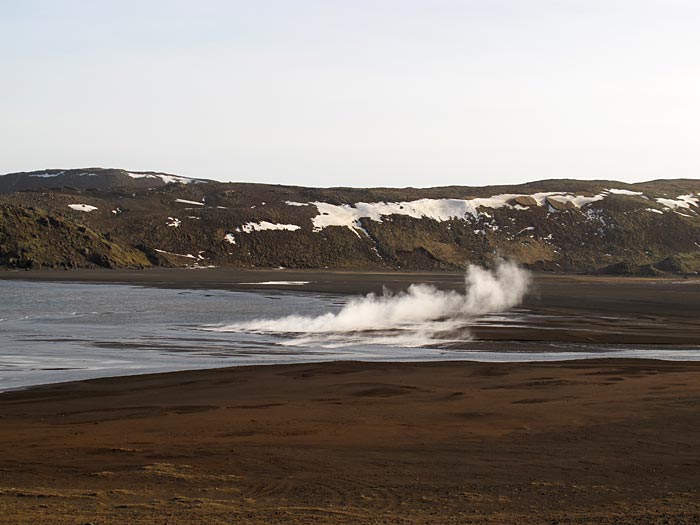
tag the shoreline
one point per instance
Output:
(560, 314)
(353, 442)
(320, 280)
(534, 362)
(234, 279)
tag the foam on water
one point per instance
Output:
(423, 315)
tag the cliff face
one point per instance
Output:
(115, 218)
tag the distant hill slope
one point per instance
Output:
(87, 178)
(116, 218)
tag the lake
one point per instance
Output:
(53, 332)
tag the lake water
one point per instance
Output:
(52, 332)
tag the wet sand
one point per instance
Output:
(597, 441)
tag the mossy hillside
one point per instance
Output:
(33, 238)
(685, 263)
(135, 225)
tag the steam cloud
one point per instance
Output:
(421, 315)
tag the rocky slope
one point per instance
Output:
(115, 218)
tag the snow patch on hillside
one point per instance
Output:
(624, 192)
(264, 225)
(683, 201)
(168, 179)
(577, 200)
(82, 207)
(187, 256)
(440, 210)
(183, 201)
(46, 175)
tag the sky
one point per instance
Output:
(354, 92)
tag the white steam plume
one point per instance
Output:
(412, 318)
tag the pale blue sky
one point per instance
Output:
(355, 92)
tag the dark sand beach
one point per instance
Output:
(577, 442)
(595, 441)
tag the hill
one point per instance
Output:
(116, 218)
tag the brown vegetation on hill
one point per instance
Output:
(140, 222)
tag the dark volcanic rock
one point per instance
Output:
(524, 201)
(559, 205)
(114, 218)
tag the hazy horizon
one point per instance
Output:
(395, 93)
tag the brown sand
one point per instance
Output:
(580, 442)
